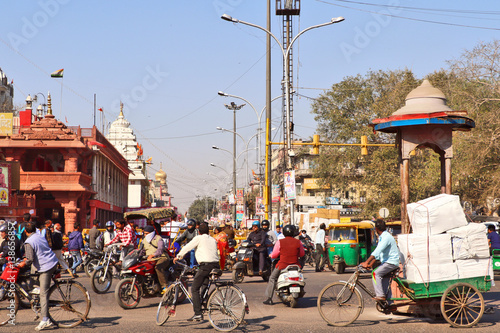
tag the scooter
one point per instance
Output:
(247, 263)
(290, 285)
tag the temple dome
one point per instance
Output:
(424, 99)
(161, 176)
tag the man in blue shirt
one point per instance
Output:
(388, 254)
(493, 238)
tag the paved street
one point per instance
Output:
(107, 316)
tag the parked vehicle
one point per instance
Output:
(139, 279)
(308, 258)
(350, 244)
(91, 259)
(290, 285)
(247, 263)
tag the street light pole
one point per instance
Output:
(234, 108)
(285, 54)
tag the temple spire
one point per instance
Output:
(121, 110)
(49, 107)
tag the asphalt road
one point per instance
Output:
(107, 316)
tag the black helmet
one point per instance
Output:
(289, 230)
(191, 223)
(265, 223)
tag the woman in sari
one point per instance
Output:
(221, 238)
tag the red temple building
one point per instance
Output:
(74, 174)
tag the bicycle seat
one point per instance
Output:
(394, 272)
(215, 273)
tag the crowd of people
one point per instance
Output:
(40, 246)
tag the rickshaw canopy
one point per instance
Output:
(150, 214)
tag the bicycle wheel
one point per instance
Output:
(9, 304)
(226, 308)
(100, 282)
(166, 308)
(69, 303)
(338, 305)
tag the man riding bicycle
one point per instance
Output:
(388, 253)
(207, 255)
(38, 252)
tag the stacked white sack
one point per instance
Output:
(470, 242)
(470, 268)
(436, 215)
(428, 259)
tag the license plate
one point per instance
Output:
(242, 251)
(295, 289)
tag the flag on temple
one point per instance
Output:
(58, 73)
(255, 176)
(149, 160)
(100, 109)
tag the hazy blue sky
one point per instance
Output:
(166, 60)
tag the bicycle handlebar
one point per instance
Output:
(361, 269)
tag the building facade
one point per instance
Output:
(71, 172)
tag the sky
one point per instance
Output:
(166, 60)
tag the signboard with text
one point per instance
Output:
(276, 193)
(6, 124)
(259, 206)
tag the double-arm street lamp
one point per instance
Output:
(285, 54)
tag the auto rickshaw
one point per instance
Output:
(350, 243)
(496, 261)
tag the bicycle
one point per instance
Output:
(459, 301)
(68, 301)
(226, 303)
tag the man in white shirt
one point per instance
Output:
(319, 240)
(207, 255)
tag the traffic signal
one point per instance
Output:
(316, 143)
(364, 145)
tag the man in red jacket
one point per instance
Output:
(289, 250)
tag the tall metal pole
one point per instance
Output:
(234, 108)
(268, 179)
(234, 165)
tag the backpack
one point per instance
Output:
(99, 241)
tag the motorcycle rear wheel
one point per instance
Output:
(89, 268)
(127, 294)
(293, 302)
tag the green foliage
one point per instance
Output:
(472, 83)
(202, 207)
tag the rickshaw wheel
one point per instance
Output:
(462, 305)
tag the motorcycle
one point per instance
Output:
(247, 263)
(139, 279)
(231, 255)
(290, 285)
(308, 258)
(102, 276)
(91, 259)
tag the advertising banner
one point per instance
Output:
(259, 206)
(275, 193)
(290, 185)
(240, 193)
(5, 124)
(5, 183)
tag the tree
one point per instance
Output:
(472, 83)
(200, 208)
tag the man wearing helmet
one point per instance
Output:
(258, 237)
(9, 242)
(271, 236)
(289, 250)
(188, 235)
(109, 234)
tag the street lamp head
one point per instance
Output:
(221, 93)
(215, 147)
(219, 128)
(337, 19)
(212, 164)
(229, 18)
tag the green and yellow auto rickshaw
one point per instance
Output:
(350, 243)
